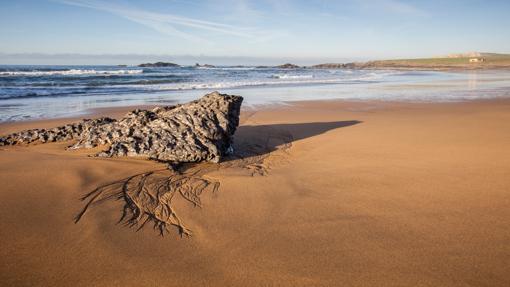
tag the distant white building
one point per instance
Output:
(476, 60)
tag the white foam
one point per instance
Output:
(226, 68)
(70, 72)
(286, 76)
(237, 68)
(240, 84)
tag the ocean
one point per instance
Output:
(34, 92)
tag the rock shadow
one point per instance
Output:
(260, 140)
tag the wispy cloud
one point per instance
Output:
(169, 24)
(394, 6)
(402, 8)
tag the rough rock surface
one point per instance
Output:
(198, 131)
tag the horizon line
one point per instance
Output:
(132, 59)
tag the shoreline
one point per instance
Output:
(118, 112)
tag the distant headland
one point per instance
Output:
(468, 61)
(464, 61)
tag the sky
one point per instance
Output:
(246, 31)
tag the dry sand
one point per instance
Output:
(411, 195)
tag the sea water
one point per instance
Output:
(32, 92)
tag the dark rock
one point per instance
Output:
(329, 66)
(201, 130)
(288, 66)
(354, 65)
(158, 64)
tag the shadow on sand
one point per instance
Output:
(257, 140)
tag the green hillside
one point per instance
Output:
(490, 60)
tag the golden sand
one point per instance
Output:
(368, 194)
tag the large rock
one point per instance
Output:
(201, 130)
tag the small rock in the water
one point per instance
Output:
(201, 130)
(287, 66)
(158, 65)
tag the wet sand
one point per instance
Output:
(368, 194)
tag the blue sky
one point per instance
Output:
(247, 31)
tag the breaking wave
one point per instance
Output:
(71, 72)
(286, 76)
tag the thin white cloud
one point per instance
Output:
(394, 6)
(168, 24)
(402, 8)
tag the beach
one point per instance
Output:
(254, 143)
(367, 193)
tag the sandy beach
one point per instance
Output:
(254, 143)
(367, 194)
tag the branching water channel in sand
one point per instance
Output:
(148, 197)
